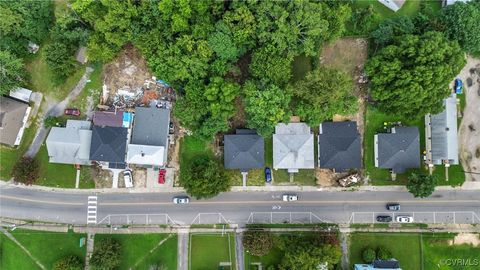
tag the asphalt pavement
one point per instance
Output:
(455, 206)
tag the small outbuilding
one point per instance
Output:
(13, 120)
(393, 5)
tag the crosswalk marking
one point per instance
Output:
(92, 210)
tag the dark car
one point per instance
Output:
(72, 111)
(458, 86)
(268, 175)
(393, 206)
(161, 176)
(384, 218)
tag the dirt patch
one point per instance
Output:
(466, 239)
(469, 131)
(102, 178)
(139, 177)
(325, 177)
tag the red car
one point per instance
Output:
(72, 111)
(161, 176)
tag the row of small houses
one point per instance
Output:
(339, 145)
(115, 139)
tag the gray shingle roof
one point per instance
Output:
(71, 144)
(108, 118)
(150, 126)
(293, 147)
(12, 114)
(243, 151)
(339, 146)
(399, 150)
(108, 144)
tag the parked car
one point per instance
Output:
(458, 86)
(404, 219)
(72, 111)
(268, 175)
(127, 176)
(181, 199)
(161, 176)
(289, 197)
(384, 218)
(171, 128)
(393, 206)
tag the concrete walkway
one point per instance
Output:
(56, 110)
(239, 251)
(183, 248)
(90, 248)
(11, 237)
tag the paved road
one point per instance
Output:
(235, 207)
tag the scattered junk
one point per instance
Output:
(349, 180)
(33, 47)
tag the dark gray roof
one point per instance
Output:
(386, 264)
(108, 144)
(399, 150)
(108, 118)
(12, 113)
(150, 126)
(339, 146)
(243, 151)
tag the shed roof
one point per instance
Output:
(293, 145)
(150, 126)
(71, 144)
(12, 116)
(243, 151)
(108, 144)
(22, 94)
(399, 150)
(108, 118)
(444, 133)
(339, 146)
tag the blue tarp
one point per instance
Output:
(163, 82)
(127, 119)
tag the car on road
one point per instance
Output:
(458, 86)
(289, 197)
(393, 206)
(127, 176)
(72, 111)
(268, 175)
(181, 200)
(161, 176)
(404, 219)
(384, 218)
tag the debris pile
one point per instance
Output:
(349, 180)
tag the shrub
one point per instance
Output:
(258, 243)
(106, 255)
(70, 262)
(26, 171)
(368, 255)
(383, 253)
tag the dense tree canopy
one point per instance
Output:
(421, 185)
(411, 77)
(462, 22)
(106, 255)
(323, 93)
(204, 178)
(265, 105)
(257, 243)
(70, 262)
(12, 72)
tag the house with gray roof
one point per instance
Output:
(391, 264)
(13, 120)
(339, 146)
(293, 147)
(109, 146)
(70, 144)
(393, 5)
(244, 150)
(441, 134)
(398, 150)
(148, 146)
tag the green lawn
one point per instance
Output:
(272, 259)
(405, 247)
(202, 245)
(437, 250)
(9, 156)
(139, 251)
(47, 247)
(301, 66)
(92, 89)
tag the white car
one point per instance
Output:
(404, 219)
(181, 200)
(289, 197)
(127, 176)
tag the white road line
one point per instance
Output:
(92, 210)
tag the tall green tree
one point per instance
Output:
(462, 24)
(266, 105)
(411, 76)
(323, 93)
(106, 255)
(257, 243)
(70, 262)
(12, 72)
(307, 257)
(421, 185)
(59, 58)
(204, 178)
(26, 171)
(273, 66)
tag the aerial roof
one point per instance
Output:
(108, 118)
(293, 147)
(146, 155)
(399, 150)
(70, 144)
(150, 126)
(243, 151)
(339, 146)
(108, 144)
(13, 116)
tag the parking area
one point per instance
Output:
(419, 217)
(153, 178)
